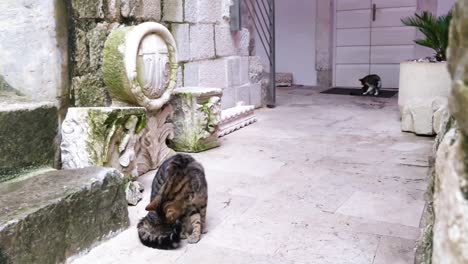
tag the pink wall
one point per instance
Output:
(443, 6)
(295, 40)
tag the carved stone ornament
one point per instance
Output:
(196, 118)
(235, 118)
(102, 136)
(151, 148)
(140, 65)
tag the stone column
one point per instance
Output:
(324, 42)
(450, 233)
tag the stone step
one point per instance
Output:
(55, 215)
(27, 133)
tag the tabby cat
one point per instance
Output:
(177, 209)
(371, 84)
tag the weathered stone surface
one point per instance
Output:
(90, 90)
(230, 43)
(235, 118)
(212, 73)
(140, 65)
(258, 74)
(27, 134)
(141, 9)
(243, 42)
(113, 10)
(152, 148)
(440, 118)
(203, 11)
(233, 71)
(284, 79)
(134, 192)
(196, 118)
(88, 8)
(256, 95)
(181, 34)
(81, 53)
(417, 118)
(173, 11)
(457, 64)
(450, 233)
(223, 72)
(148, 9)
(450, 201)
(34, 47)
(102, 137)
(229, 98)
(243, 94)
(202, 41)
(61, 213)
(96, 38)
(244, 70)
(225, 40)
(423, 117)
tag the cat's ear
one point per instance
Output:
(152, 205)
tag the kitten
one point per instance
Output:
(371, 85)
(177, 209)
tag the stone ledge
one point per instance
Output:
(27, 133)
(52, 216)
(235, 118)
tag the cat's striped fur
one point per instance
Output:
(177, 208)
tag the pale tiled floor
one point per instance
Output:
(319, 179)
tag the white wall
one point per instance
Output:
(295, 40)
(443, 6)
(32, 59)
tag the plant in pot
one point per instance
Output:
(425, 83)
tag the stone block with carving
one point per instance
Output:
(102, 136)
(284, 79)
(140, 65)
(196, 118)
(140, 69)
(236, 118)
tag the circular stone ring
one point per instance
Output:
(140, 64)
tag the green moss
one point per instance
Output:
(7, 88)
(192, 135)
(104, 127)
(27, 140)
(89, 90)
(113, 66)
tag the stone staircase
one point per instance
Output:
(57, 214)
(47, 215)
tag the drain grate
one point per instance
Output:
(357, 92)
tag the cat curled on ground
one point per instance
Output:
(371, 85)
(177, 208)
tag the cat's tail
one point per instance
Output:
(151, 237)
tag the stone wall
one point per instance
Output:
(33, 49)
(450, 233)
(209, 53)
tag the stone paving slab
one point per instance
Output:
(288, 189)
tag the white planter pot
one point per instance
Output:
(424, 88)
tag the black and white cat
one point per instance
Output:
(371, 85)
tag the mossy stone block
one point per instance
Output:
(27, 133)
(55, 215)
